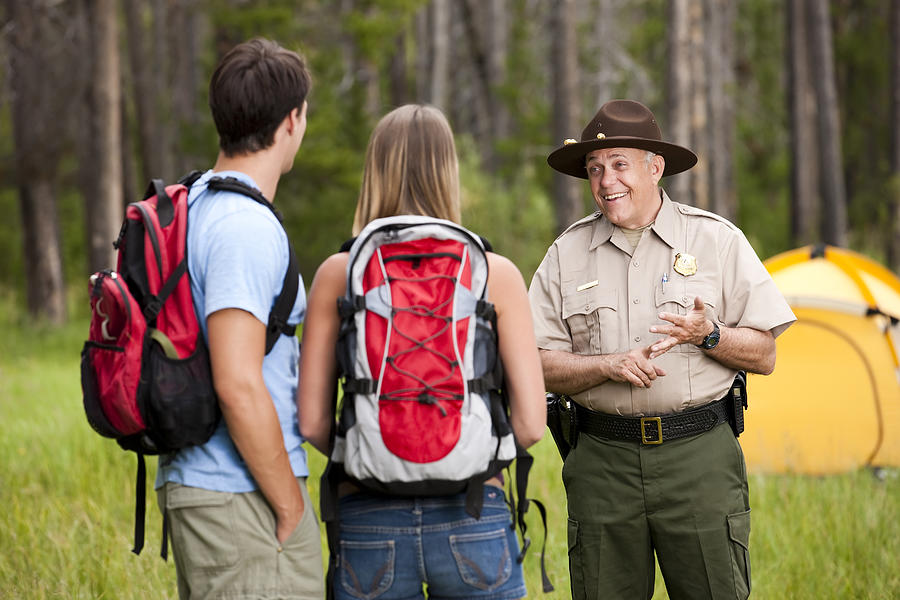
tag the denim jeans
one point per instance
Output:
(391, 547)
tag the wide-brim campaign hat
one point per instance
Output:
(620, 124)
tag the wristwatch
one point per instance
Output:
(712, 340)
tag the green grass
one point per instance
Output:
(67, 501)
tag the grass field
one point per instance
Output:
(67, 501)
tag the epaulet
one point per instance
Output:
(581, 223)
(693, 211)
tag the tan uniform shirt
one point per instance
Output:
(593, 295)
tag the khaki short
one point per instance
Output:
(224, 546)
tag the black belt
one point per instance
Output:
(653, 430)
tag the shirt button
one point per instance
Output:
(636, 263)
(587, 307)
(637, 300)
(684, 298)
(637, 338)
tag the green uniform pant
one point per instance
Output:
(685, 499)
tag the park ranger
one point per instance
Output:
(645, 313)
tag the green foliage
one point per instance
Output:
(647, 44)
(525, 94)
(862, 55)
(762, 149)
(517, 218)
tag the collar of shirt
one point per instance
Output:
(664, 226)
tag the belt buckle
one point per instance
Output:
(649, 421)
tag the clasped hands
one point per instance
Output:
(635, 366)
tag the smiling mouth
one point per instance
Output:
(614, 196)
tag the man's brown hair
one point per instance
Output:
(254, 87)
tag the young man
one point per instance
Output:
(644, 313)
(242, 524)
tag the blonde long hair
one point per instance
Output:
(411, 168)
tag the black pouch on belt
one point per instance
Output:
(560, 422)
(738, 403)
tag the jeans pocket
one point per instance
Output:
(367, 568)
(739, 534)
(483, 559)
(575, 574)
(203, 526)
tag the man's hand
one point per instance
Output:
(286, 522)
(690, 328)
(634, 367)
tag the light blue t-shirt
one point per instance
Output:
(237, 257)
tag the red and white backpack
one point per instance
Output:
(423, 411)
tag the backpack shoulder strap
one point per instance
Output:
(345, 247)
(281, 310)
(189, 179)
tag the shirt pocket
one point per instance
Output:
(587, 312)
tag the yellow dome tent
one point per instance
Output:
(833, 402)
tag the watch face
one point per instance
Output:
(712, 339)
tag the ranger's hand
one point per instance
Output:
(691, 328)
(633, 367)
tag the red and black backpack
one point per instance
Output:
(145, 370)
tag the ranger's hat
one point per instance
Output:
(620, 124)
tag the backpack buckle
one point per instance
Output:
(152, 308)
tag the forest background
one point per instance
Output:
(792, 107)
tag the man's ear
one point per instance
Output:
(297, 118)
(657, 167)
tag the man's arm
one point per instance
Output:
(236, 349)
(567, 373)
(740, 348)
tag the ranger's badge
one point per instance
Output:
(685, 264)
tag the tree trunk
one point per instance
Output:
(699, 124)
(46, 292)
(805, 204)
(894, 245)
(129, 185)
(184, 39)
(104, 209)
(599, 45)
(439, 27)
(567, 191)
(831, 173)
(679, 86)
(498, 42)
(142, 82)
(35, 56)
(721, 108)
(161, 69)
(399, 86)
(482, 106)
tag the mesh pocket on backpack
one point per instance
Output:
(181, 404)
